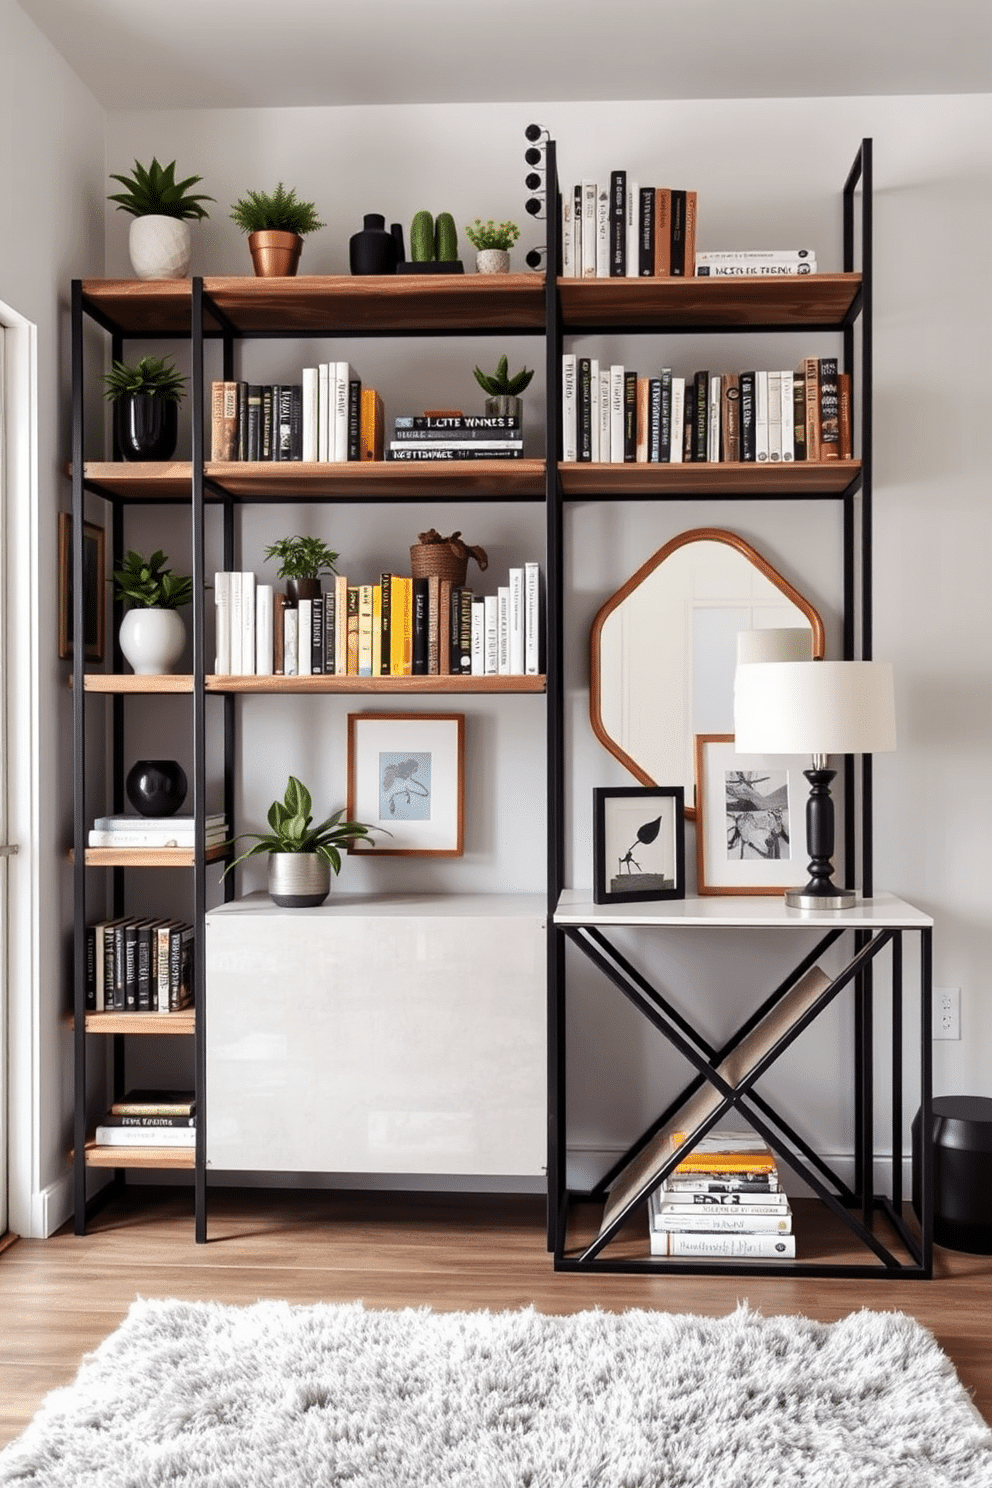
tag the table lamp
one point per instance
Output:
(817, 708)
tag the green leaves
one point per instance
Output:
(275, 211)
(154, 191)
(492, 234)
(500, 383)
(302, 557)
(292, 830)
(145, 583)
(154, 375)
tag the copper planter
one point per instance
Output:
(275, 254)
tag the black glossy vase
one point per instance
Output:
(146, 426)
(156, 787)
(373, 250)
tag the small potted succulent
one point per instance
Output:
(492, 242)
(152, 634)
(302, 561)
(160, 242)
(504, 391)
(146, 397)
(300, 854)
(276, 224)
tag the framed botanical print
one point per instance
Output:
(406, 777)
(638, 844)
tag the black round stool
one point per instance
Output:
(962, 1171)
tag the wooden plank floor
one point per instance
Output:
(60, 1297)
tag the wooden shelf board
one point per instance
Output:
(145, 857)
(139, 1157)
(128, 682)
(797, 478)
(182, 1024)
(267, 480)
(376, 684)
(145, 307)
(667, 304)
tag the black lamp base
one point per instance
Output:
(821, 892)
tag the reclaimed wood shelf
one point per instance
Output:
(786, 302)
(139, 1157)
(182, 1024)
(796, 478)
(145, 857)
(113, 682)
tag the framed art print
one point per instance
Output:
(751, 819)
(405, 776)
(93, 588)
(638, 844)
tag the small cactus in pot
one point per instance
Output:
(504, 390)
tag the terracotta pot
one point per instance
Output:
(275, 255)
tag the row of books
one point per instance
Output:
(149, 1118)
(615, 415)
(754, 263)
(625, 230)
(154, 831)
(456, 437)
(398, 627)
(327, 416)
(139, 965)
(724, 1200)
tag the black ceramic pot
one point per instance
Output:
(146, 426)
(156, 787)
(373, 250)
(297, 589)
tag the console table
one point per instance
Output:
(726, 1079)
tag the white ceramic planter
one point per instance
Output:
(298, 880)
(152, 640)
(160, 247)
(492, 261)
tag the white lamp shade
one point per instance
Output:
(814, 707)
(794, 643)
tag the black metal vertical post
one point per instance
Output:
(78, 774)
(867, 630)
(926, 1099)
(199, 759)
(897, 1058)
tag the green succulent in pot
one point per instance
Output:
(146, 395)
(159, 239)
(503, 389)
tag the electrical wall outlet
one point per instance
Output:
(947, 1012)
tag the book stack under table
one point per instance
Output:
(723, 1200)
(149, 1118)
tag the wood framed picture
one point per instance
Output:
(638, 843)
(94, 599)
(751, 819)
(406, 777)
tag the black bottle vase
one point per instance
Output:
(156, 787)
(373, 250)
(146, 426)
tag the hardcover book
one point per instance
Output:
(223, 421)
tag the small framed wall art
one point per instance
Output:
(94, 588)
(406, 776)
(751, 819)
(638, 843)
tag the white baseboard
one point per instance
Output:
(51, 1207)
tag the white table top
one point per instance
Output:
(395, 905)
(757, 911)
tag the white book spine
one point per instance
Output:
(603, 232)
(516, 622)
(774, 418)
(678, 421)
(181, 837)
(342, 377)
(616, 413)
(263, 630)
(478, 638)
(503, 652)
(595, 431)
(754, 269)
(788, 416)
(304, 629)
(569, 408)
(222, 623)
(589, 229)
(247, 624)
(761, 417)
(746, 255)
(145, 1136)
(323, 412)
(567, 235)
(733, 1247)
(237, 628)
(713, 421)
(532, 619)
(604, 416)
(310, 413)
(341, 624)
(491, 603)
(730, 1223)
(289, 647)
(633, 228)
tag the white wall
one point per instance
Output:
(51, 181)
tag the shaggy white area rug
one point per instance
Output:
(273, 1396)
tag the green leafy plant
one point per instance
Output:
(154, 375)
(293, 830)
(500, 383)
(275, 211)
(153, 191)
(302, 557)
(492, 234)
(146, 583)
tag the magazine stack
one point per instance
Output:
(723, 1201)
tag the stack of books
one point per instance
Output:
(139, 965)
(457, 436)
(150, 1118)
(327, 416)
(627, 231)
(754, 263)
(154, 831)
(723, 1201)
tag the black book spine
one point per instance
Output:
(451, 426)
(317, 635)
(618, 224)
(109, 948)
(829, 410)
(254, 421)
(284, 432)
(465, 631)
(420, 628)
(242, 445)
(701, 409)
(119, 965)
(629, 417)
(748, 451)
(654, 421)
(296, 421)
(678, 234)
(584, 409)
(131, 969)
(354, 419)
(276, 452)
(386, 623)
(329, 603)
(265, 452)
(144, 968)
(645, 238)
(665, 438)
(455, 629)
(90, 982)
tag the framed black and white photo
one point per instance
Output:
(751, 819)
(405, 775)
(638, 843)
(94, 588)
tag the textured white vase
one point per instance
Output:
(160, 247)
(492, 261)
(152, 640)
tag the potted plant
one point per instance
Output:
(152, 634)
(433, 246)
(276, 224)
(302, 561)
(504, 391)
(301, 855)
(160, 242)
(492, 241)
(146, 398)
